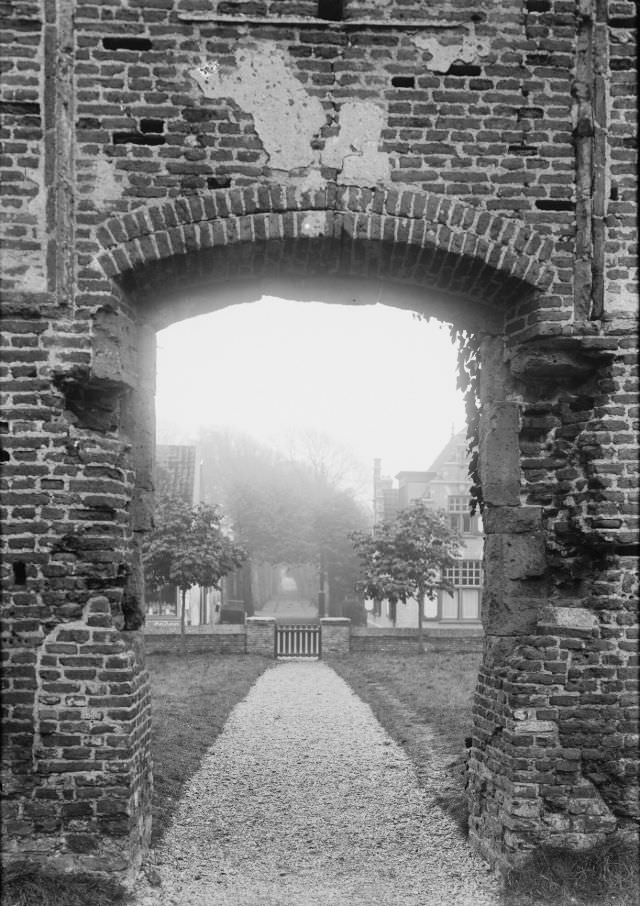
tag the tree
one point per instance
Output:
(336, 514)
(188, 547)
(407, 558)
(286, 511)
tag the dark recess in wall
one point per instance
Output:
(331, 10)
(464, 69)
(127, 42)
(19, 572)
(151, 125)
(137, 138)
(399, 81)
(218, 182)
(554, 204)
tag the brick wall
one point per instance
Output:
(91, 759)
(484, 153)
(405, 641)
(214, 643)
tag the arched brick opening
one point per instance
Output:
(443, 258)
(465, 250)
(406, 249)
(125, 116)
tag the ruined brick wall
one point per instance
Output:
(472, 162)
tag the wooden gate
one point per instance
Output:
(298, 641)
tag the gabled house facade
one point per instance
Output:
(444, 486)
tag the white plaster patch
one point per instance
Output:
(465, 49)
(310, 183)
(537, 727)
(25, 267)
(354, 151)
(568, 618)
(107, 186)
(286, 118)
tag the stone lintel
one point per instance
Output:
(500, 454)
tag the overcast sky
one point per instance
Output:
(373, 377)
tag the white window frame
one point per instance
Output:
(466, 574)
(459, 515)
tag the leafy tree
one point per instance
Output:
(265, 497)
(336, 514)
(407, 558)
(286, 510)
(188, 547)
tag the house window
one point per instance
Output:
(163, 601)
(464, 602)
(460, 519)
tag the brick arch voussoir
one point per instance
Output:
(227, 216)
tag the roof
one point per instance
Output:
(415, 476)
(447, 454)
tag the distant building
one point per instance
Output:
(444, 486)
(178, 475)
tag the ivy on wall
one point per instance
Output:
(468, 381)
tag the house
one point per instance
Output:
(178, 474)
(445, 486)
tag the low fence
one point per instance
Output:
(459, 639)
(259, 635)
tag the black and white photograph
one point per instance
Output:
(319, 453)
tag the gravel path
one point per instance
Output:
(305, 799)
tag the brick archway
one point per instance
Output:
(494, 257)
(494, 278)
(124, 130)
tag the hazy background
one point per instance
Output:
(371, 379)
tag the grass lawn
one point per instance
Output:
(192, 695)
(407, 692)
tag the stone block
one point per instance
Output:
(540, 365)
(515, 556)
(512, 519)
(500, 454)
(494, 375)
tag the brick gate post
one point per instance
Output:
(261, 636)
(335, 635)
